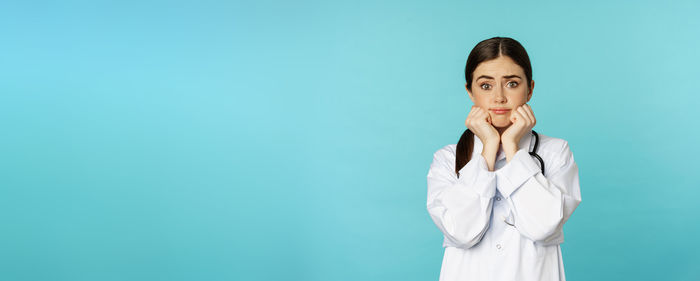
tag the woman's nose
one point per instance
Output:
(500, 96)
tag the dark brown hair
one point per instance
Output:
(488, 49)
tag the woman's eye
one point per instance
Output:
(514, 83)
(482, 86)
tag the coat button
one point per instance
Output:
(498, 198)
(498, 246)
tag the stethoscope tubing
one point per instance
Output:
(533, 153)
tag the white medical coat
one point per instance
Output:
(504, 224)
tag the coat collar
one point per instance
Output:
(524, 143)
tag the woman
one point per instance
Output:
(501, 217)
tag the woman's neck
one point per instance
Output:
(501, 130)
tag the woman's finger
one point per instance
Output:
(515, 116)
(470, 116)
(486, 116)
(530, 113)
(479, 114)
(526, 116)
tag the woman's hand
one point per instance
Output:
(479, 122)
(523, 120)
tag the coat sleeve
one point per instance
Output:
(460, 207)
(540, 205)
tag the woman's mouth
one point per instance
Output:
(500, 110)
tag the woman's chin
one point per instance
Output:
(502, 124)
(500, 121)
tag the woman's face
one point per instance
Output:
(500, 83)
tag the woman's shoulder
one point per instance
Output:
(446, 152)
(551, 143)
(555, 151)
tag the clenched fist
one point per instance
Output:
(523, 119)
(479, 122)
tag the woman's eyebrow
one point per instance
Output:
(506, 76)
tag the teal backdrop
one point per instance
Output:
(290, 140)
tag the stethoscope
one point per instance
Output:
(533, 153)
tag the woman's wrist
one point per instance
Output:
(510, 148)
(489, 152)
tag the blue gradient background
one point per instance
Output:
(290, 140)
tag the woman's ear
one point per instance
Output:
(468, 92)
(532, 86)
